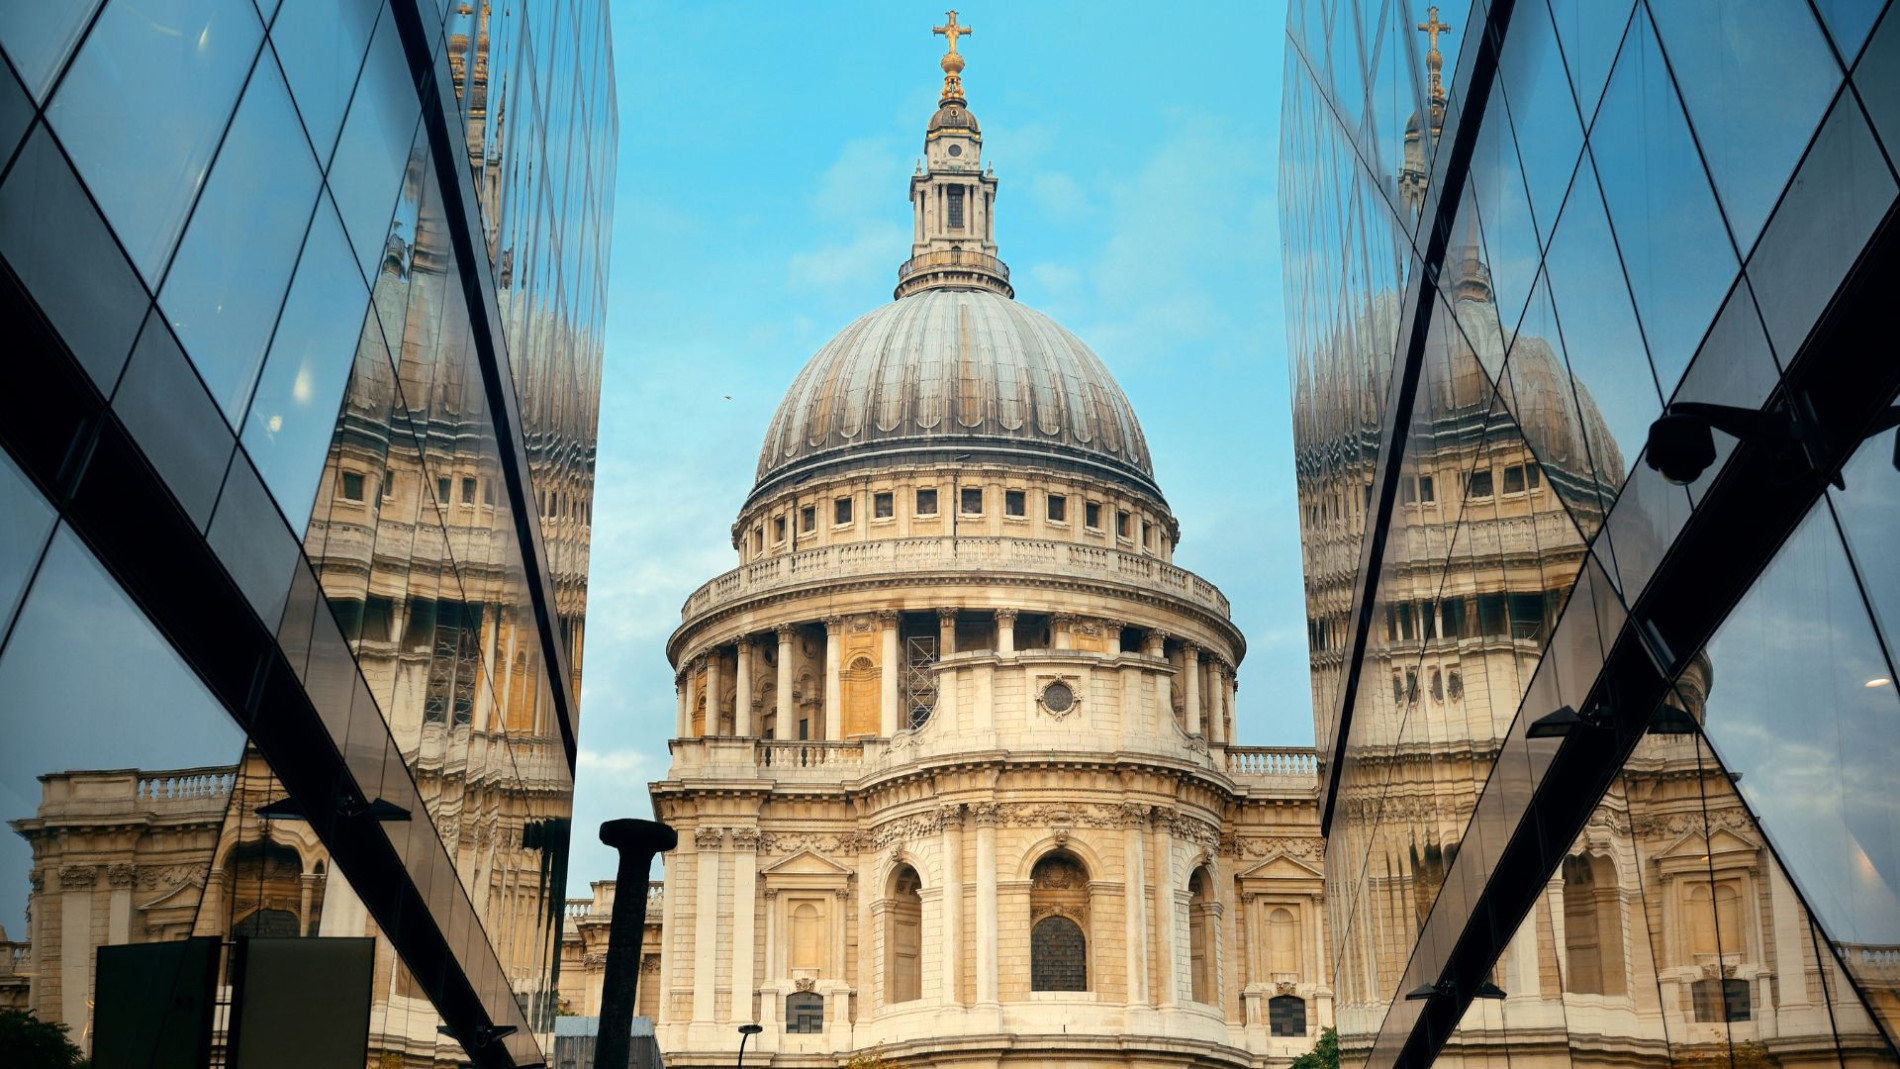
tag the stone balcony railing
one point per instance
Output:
(1287, 769)
(1868, 961)
(987, 557)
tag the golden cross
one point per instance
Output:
(1432, 26)
(951, 30)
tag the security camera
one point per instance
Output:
(1681, 447)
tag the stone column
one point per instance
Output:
(712, 691)
(774, 965)
(706, 844)
(834, 690)
(888, 698)
(1134, 819)
(1167, 984)
(987, 814)
(786, 635)
(1005, 631)
(1191, 684)
(946, 677)
(1216, 712)
(742, 702)
(745, 877)
(1062, 623)
(1112, 631)
(683, 687)
(1164, 688)
(952, 905)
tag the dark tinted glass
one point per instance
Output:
(174, 421)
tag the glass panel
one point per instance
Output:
(174, 421)
(1669, 233)
(1756, 75)
(114, 695)
(1543, 114)
(183, 62)
(1878, 78)
(38, 37)
(1822, 782)
(16, 114)
(1734, 368)
(1848, 22)
(227, 283)
(1869, 511)
(249, 536)
(365, 175)
(1539, 392)
(1616, 390)
(1590, 32)
(1838, 197)
(294, 410)
(25, 520)
(64, 254)
(1505, 226)
(321, 45)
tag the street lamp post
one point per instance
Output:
(746, 1031)
(637, 841)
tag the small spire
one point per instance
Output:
(952, 63)
(1434, 59)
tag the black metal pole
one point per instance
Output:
(637, 841)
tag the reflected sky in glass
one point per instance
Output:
(294, 411)
(321, 45)
(38, 35)
(25, 518)
(1794, 707)
(228, 281)
(143, 107)
(105, 691)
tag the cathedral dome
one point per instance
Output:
(950, 371)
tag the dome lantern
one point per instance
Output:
(953, 232)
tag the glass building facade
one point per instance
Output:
(1608, 755)
(302, 306)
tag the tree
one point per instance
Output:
(1324, 1055)
(872, 1059)
(26, 1042)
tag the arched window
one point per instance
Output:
(1593, 928)
(267, 890)
(268, 923)
(1283, 945)
(1058, 912)
(903, 937)
(1286, 1015)
(1203, 985)
(805, 1013)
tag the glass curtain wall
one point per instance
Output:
(365, 383)
(1657, 202)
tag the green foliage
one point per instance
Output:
(26, 1042)
(873, 1060)
(1324, 1055)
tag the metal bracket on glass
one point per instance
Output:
(1557, 724)
(346, 809)
(1446, 989)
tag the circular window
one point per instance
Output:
(956, 150)
(1058, 698)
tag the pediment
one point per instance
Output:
(1723, 841)
(807, 863)
(1283, 867)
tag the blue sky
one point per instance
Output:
(765, 152)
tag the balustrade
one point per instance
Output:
(1272, 761)
(792, 755)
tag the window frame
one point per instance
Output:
(1056, 508)
(917, 502)
(1015, 504)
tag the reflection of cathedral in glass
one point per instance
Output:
(1472, 383)
(323, 683)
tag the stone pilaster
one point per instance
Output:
(742, 701)
(1191, 687)
(834, 689)
(706, 849)
(987, 816)
(888, 698)
(713, 690)
(787, 636)
(745, 876)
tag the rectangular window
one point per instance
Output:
(808, 519)
(927, 502)
(883, 506)
(1058, 509)
(972, 504)
(1527, 616)
(442, 491)
(1427, 620)
(1494, 617)
(378, 615)
(1121, 524)
(778, 528)
(389, 484)
(488, 492)
(841, 510)
(1015, 503)
(1722, 1000)
(1533, 475)
(1092, 515)
(1426, 495)
(1479, 485)
(1408, 491)
(758, 539)
(1514, 479)
(1454, 614)
(352, 488)
(468, 491)
(1405, 622)
(1391, 623)
(1147, 534)
(956, 207)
